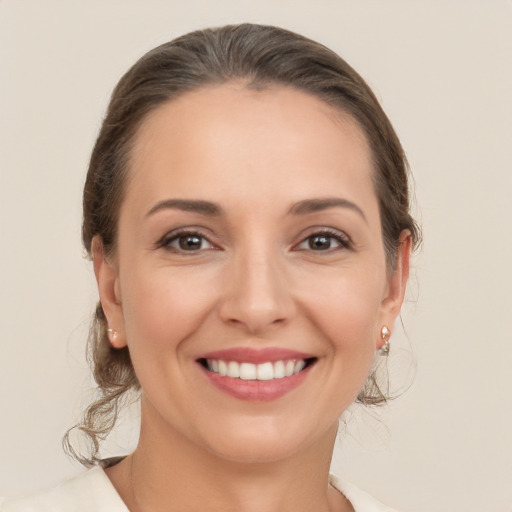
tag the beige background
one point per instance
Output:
(443, 72)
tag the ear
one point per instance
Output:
(392, 302)
(107, 278)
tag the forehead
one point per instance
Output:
(227, 140)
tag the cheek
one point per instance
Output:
(349, 320)
(162, 308)
(347, 307)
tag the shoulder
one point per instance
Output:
(89, 491)
(94, 491)
(360, 500)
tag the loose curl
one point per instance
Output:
(259, 56)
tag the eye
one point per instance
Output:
(186, 241)
(323, 241)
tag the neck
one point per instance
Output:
(169, 472)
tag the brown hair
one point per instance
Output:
(260, 56)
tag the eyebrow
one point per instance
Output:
(187, 205)
(211, 209)
(317, 205)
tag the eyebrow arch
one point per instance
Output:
(316, 205)
(187, 205)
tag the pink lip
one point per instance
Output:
(255, 356)
(256, 390)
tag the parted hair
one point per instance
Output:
(259, 56)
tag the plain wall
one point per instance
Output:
(443, 72)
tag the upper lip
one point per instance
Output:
(255, 356)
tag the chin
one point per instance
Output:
(258, 443)
(257, 451)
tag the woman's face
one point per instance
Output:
(249, 244)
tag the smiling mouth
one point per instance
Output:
(270, 370)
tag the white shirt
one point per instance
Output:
(93, 492)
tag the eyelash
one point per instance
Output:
(165, 242)
(330, 234)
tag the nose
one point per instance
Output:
(258, 294)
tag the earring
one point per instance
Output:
(112, 335)
(385, 334)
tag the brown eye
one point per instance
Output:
(320, 242)
(186, 242)
(190, 242)
(324, 241)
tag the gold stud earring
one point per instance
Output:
(385, 334)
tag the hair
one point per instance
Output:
(260, 56)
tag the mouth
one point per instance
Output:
(265, 371)
(256, 375)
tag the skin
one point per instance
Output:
(253, 280)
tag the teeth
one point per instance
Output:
(288, 368)
(223, 368)
(233, 370)
(278, 370)
(299, 365)
(265, 371)
(250, 371)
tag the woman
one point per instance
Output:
(246, 209)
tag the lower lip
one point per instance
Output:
(256, 390)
